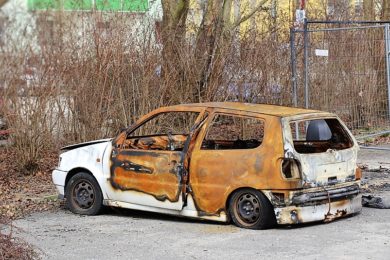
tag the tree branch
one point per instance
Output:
(2, 2)
(251, 13)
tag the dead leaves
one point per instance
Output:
(20, 194)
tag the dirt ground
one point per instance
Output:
(121, 234)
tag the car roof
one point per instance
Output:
(273, 110)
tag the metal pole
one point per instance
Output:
(293, 67)
(294, 76)
(387, 66)
(306, 58)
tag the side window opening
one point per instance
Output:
(166, 131)
(319, 135)
(233, 132)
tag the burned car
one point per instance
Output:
(257, 165)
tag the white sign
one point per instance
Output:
(324, 53)
(300, 16)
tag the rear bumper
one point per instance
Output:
(318, 205)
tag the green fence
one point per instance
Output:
(99, 5)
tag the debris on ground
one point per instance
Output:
(372, 201)
(376, 188)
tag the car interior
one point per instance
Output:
(320, 135)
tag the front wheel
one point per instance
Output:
(250, 209)
(83, 194)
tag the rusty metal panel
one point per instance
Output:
(153, 173)
(215, 174)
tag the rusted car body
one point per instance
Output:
(255, 164)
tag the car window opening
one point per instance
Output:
(233, 132)
(319, 135)
(166, 131)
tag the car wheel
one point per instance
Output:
(249, 208)
(83, 194)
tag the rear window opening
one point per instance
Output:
(319, 135)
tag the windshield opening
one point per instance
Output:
(319, 135)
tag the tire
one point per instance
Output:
(249, 208)
(83, 194)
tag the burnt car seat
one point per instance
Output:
(318, 130)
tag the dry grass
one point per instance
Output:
(22, 194)
(75, 88)
(65, 85)
(12, 247)
(61, 87)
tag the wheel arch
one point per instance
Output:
(74, 171)
(265, 220)
(266, 194)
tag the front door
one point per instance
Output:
(147, 164)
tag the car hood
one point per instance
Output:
(74, 146)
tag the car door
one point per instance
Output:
(147, 163)
(231, 153)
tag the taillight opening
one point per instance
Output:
(291, 168)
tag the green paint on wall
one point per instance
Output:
(135, 5)
(43, 4)
(77, 4)
(109, 5)
(100, 5)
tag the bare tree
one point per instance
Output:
(216, 25)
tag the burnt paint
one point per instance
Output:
(168, 177)
(213, 174)
(153, 173)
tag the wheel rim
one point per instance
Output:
(248, 208)
(83, 194)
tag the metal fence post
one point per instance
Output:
(293, 67)
(387, 65)
(306, 58)
(294, 76)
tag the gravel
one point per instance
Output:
(138, 235)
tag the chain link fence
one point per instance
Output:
(343, 67)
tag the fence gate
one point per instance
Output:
(343, 67)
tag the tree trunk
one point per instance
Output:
(385, 10)
(2, 2)
(216, 27)
(368, 10)
(173, 34)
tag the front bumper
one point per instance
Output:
(59, 177)
(312, 206)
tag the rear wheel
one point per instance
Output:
(249, 208)
(83, 194)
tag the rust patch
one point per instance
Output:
(215, 174)
(136, 170)
(330, 217)
(168, 166)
